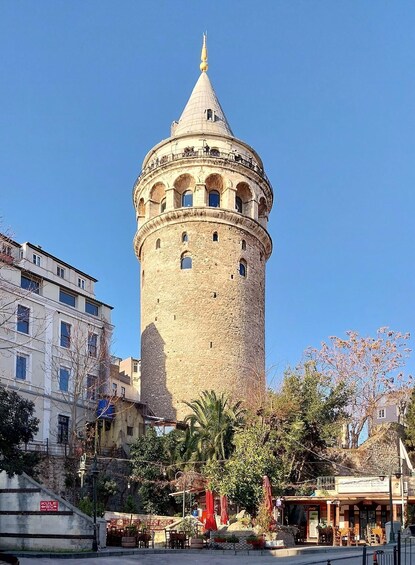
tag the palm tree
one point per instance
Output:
(212, 424)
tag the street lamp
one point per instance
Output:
(82, 470)
(392, 532)
(94, 473)
(176, 476)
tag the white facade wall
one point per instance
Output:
(39, 342)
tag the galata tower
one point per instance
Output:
(202, 202)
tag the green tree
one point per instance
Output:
(17, 426)
(253, 457)
(307, 415)
(212, 423)
(288, 442)
(150, 455)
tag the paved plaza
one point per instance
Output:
(163, 559)
(317, 557)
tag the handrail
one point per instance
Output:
(55, 448)
(46, 446)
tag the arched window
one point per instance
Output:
(187, 199)
(142, 278)
(238, 204)
(243, 198)
(214, 199)
(158, 243)
(141, 207)
(163, 206)
(215, 236)
(185, 237)
(243, 244)
(242, 268)
(209, 115)
(186, 261)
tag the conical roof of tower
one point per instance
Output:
(195, 117)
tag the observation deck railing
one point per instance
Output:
(204, 153)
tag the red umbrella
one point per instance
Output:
(224, 518)
(266, 486)
(210, 523)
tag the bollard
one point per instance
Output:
(375, 557)
(395, 556)
(364, 555)
(399, 548)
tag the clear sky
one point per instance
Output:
(323, 90)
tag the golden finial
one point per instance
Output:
(204, 55)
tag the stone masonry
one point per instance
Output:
(202, 328)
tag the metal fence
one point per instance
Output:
(406, 551)
(47, 447)
(62, 449)
(401, 553)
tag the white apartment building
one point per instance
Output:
(54, 340)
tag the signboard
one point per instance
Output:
(348, 485)
(49, 505)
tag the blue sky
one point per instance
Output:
(324, 91)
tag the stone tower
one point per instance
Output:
(202, 202)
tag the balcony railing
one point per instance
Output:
(62, 449)
(47, 447)
(326, 483)
(204, 153)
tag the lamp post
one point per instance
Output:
(82, 470)
(392, 532)
(176, 476)
(94, 473)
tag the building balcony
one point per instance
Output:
(221, 158)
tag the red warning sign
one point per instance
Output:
(49, 505)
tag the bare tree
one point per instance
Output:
(371, 368)
(80, 370)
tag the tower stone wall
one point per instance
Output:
(202, 327)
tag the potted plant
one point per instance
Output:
(196, 538)
(220, 538)
(191, 527)
(196, 542)
(129, 539)
(257, 542)
(233, 539)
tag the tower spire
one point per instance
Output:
(204, 55)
